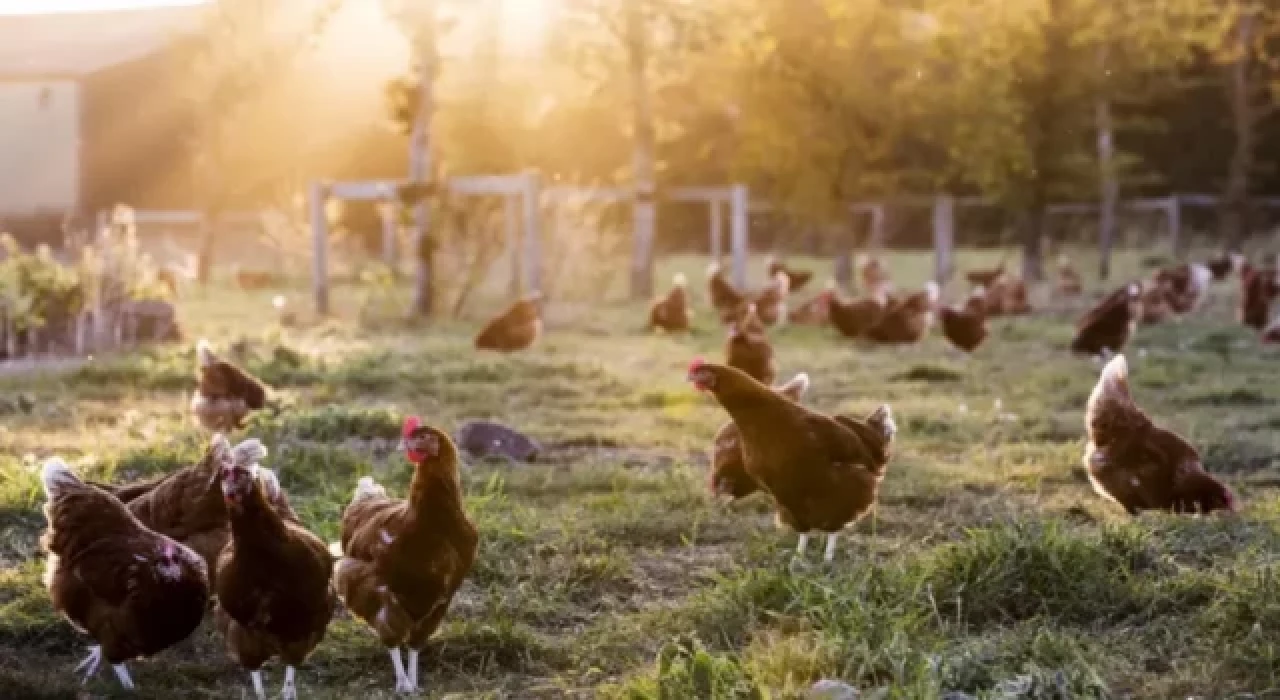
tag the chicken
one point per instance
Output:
(671, 313)
(729, 478)
(796, 278)
(907, 320)
(725, 298)
(823, 472)
(225, 394)
(873, 275)
(1069, 284)
(1155, 302)
(748, 349)
(1223, 266)
(853, 319)
(985, 278)
(1259, 288)
(771, 302)
(135, 592)
(403, 560)
(272, 580)
(1138, 465)
(1107, 327)
(1186, 286)
(186, 505)
(514, 329)
(816, 311)
(966, 326)
(1007, 296)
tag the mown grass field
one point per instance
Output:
(989, 568)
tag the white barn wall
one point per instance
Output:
(39, 146)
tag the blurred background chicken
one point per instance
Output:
(907, 320)
(771, 302)
(729, 478)
(225, 394)
(985, 277)
(133, 591)
(824, 472)
(1259, 288)
(816, 311)
(515, 329)
(1068, 283)
(726, 299)
(854, 319)
(272, 581)
(1138, 465)
(403, 560)
(1007, 296)
(1186, 286)
(796, 278)
(873, 275)
(966, 325)
(1224, 265)
(747, 348)
(672, 313)
(1106, 328)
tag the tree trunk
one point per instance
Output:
(420, 168)
(1109, 186)
(1032, 233)
(1234, 225)
(644, 179)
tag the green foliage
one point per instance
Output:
(35, 289)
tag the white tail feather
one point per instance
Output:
(248, 452)
(799, 383)
(884, 415)
(933, 291)
(204, 352)
(1201, 277)
(220, 446)
(679, 280)
(335, 550)
(1110, 384)
(269, 481)
(366, 487)
(56, 476)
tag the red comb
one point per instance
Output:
(411, 423)
(697, 362)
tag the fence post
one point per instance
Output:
(739, 233)
(389, 212)
(717, 229)
(319, 246)
(532, 232)
(1173, 210)
(943, 236)
(876, 235)
(511, 221)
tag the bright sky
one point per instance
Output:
(36, 7)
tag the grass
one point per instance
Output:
(989, 569)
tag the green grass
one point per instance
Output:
(989, 568)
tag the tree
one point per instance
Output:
(639, 43)
(236, 67)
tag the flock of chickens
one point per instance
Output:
(136, 567)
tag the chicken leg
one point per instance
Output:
(90, 664)
(290, 689)
(402, 677)
(413, 670)
(802, 545)
(258, 690)
(122, 675)
(830, 555)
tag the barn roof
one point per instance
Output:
(71, 45)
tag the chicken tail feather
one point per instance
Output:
(797, 387)
(366, 487)
(882, 420)
(57, 477)
(1110, 400)
(248, 452)
(204, 352)
(270, 482)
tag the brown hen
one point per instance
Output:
(823, 471)
(225, 393)
(515, 329)
(403, 560)
(729, 478)
(672, 313)
(747, 348)
(1141, 466)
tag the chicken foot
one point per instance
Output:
(258, 690)
(290, 689)
(90, 664)
(413, 670)
(403, 682)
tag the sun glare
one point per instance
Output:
(40, 7)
